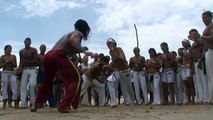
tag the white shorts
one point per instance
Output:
(168, 76)
(185, 73)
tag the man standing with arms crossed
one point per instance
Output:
(137, 66)
(168, 74)
(207, 38)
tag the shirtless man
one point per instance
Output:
(40, 75)
(121, 70)
(153, 66)
(57, 59)
(168, 74)
(8, 63)
(198, 56)
(137, 66)
(95, 57)
(84, 66)
(29, 63)
(91, 78)
(187, 71)
(179, 89)
(207, 38)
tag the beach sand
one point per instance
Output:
(134, 112)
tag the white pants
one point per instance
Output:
(113, 92)
(179, 89)
(126, 86)
(9, 79)
(28, 80)
(140, 81)
(185, 73)
(201, 84)
(157, 89)
(209, 69)
(97, 86)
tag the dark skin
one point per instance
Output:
(95, 70)
(71, 43)
(136, 63)
(41, 56)
(28, 55)
(8, 62)
(207, 36)
(187, 60)
(153, 64)
(118, 57)
(197, 51)
(168, 61)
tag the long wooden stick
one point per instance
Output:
(136, 31)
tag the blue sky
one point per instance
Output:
(45, 21)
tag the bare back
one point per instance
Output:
(71, 43)
(95, 70)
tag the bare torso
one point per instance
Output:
(94, 70)
(153, 65)
(70, 43)
(28, 57)
(137, 63)
(119, 63)
(9, 62)
(196, 51)
(41, 66)
(167, 59)
(186, 58)
(208, 32)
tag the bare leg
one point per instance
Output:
(165, 93)
(89, 91)
(4, 103)
(172, 93)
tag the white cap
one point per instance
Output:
(186, 41)
(111, 40)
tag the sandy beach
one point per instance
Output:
(135, 112)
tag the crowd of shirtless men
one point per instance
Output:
(165, 78)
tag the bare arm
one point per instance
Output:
(118, 54)
(32, 61)
(1, 62)
(20, 57)
(210, 35)
(14, 62)
(75, 42)
(131, 63)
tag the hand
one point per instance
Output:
(112, 48)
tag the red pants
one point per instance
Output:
(57, 60)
